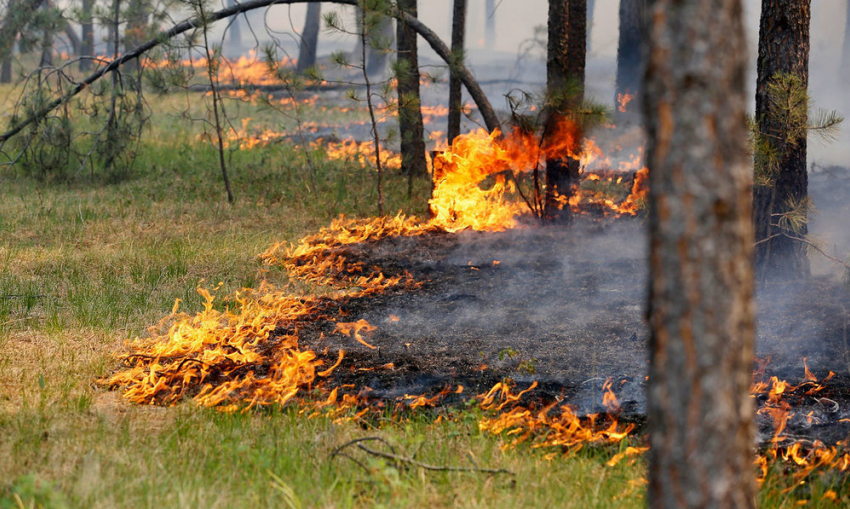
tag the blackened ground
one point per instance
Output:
(564, 307)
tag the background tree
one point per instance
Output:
(844, 75)
(565, 67)
(309, 38)
(411, 127)
(87, 42)
(490, 7)
(19, 13)
(701, 311)
(781, 190)
(629, 51)
(455, 91)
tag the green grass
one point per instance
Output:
(85, 266)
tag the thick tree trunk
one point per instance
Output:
(411, 128)
(87, 43)
(490, 24)
(629, 55)
(455, 90)
(701, 311)
(565, 66)
(309, 38)
(783, 47)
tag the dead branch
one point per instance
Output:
(399, 459)
(808, 243)
(487, 112)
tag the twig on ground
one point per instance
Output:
(399, 459)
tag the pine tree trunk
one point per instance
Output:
(411, 128)
(138, 12)
(47, 40)
(235, 30)
(73, 39)
(844, 75)
(18, 14)
(455, 90)
(6, 70)
(376, 55)
(783, 47)
(87, 44)
(629, 53)
(490, 24)
(309, 38)
(565, 67)
(701, 311)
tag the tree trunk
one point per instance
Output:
(235, 30)
(629, 55)
(455, 90)
(411, 128)
(783, 47)
(73, 39)
(138, 12)
(18, 14)
(47, 41)
(490, 24)
(844, 75)
(6, 70)
(565, 66)
(309, 38)
(491, 120)
(87, 43)
(377, 51)
(701, 311)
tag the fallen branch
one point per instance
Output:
(399, 460)
(487, 112)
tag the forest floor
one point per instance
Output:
(86, 266)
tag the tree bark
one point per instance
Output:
(565, 67)
(701, 312)
(455, 91)
(87, 43)
(439, 47)
(309, 38)
(410, 123)
(630, 54)
(783, 47)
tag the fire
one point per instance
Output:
(623, 100)
(547, 427)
